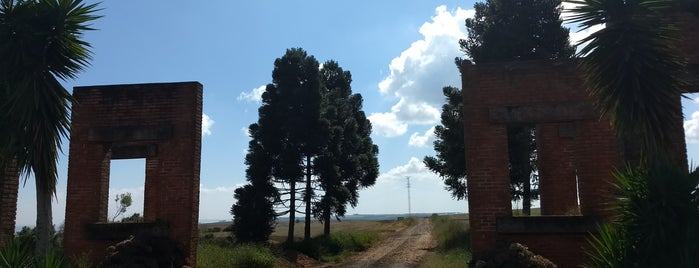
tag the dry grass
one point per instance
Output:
(280, 231)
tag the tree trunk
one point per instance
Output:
(44, 217)
(326, 221)
(292, 212)
(307, 199)
(527, 198)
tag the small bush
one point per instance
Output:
(657, 223)
(210, 255)
(337, 245)
(14, 254)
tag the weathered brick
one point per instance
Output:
(166, 119)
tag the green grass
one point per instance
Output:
(212, 255)
(336, 246)
(453, 249)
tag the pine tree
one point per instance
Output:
(450, 162)
(348, 161)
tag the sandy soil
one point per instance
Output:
(406, 248)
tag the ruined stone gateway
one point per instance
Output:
(158, 122)
(577, 150)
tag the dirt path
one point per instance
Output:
(405, 248)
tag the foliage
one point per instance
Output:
(507, 30)
(123, 202)
(348, 161)
(311, 130)
(453, 242)
(288, 133)
(15, 254)
(335, 246)
(658, 222)
(209, 255)
(632, 67)
(253, 215)
(27, 238)
(136, 217)
(40, 43)
(18, 254)
(522, 153)
(450, 162)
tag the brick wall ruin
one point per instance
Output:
(577, 151)
(158, 122)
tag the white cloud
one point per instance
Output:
(417, 140)
(206, 124)
(691, 129)
(426, 190)
(415, 169)
(418, 74)
(255, 95)
(387, 124)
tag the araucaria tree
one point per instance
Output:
(40, 42)
(502, 30)
(311, 132)
(288, 133)
(348, 161)
(450, 162)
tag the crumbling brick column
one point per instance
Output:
(158, 122)
(486, 162)
(9, 186)
(557, 169)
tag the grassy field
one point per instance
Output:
(216, 250)
(452, 234)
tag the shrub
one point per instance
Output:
(210, 255)
(336, 245)
(14, 254)
(658, 222)
(453, 248)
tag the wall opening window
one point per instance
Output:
(127, 179)
(524, 179)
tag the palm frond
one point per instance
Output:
(632, 66)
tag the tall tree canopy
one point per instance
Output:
(507, 30)
(450, 162)
(311, 129)
(349, 159)
(289, 131)
(40, 42)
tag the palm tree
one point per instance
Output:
(632, 67)
(39, 44)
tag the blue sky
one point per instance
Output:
(400, 55)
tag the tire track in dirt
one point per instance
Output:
(405, 248)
